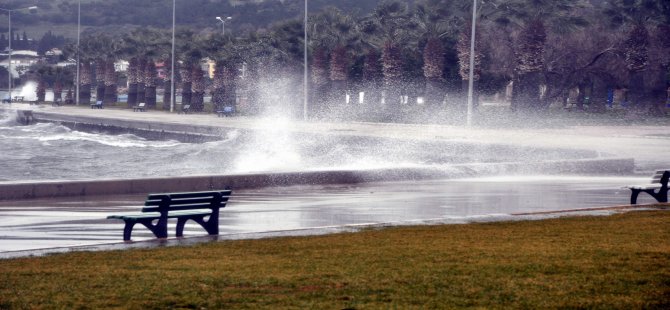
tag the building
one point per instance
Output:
(21, 60)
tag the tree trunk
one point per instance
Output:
(85, 93)
(186, 93)
(150, 96)
(167, 95)
(434, 93)
(526, 91)
(132, 82)
(132, 94)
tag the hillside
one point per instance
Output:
(60, 16)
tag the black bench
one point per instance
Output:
(226, 111)
(140, 107)
(185, 109)
(97, 105)
(657, 189)
(186, 206)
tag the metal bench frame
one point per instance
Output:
(140, 107)
(158, 208)
(657, 189)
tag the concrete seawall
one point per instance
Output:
(158, 126)
(50, 189)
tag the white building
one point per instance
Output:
(20, 60)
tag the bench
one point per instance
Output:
(140, 107)
(185, 206)
(18, 98)
(658, 188)
(226, 111)
(56, 103)
(97, 105)
(185, 109)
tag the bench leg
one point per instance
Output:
(662, 196)
(211, 225)
(633, 196)
(159, 230)
(128, 230)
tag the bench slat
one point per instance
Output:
(154, 215)
(184, 207)
(187, 195)
(645, 186)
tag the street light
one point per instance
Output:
(78, 34)
(472, 64)
(223, 23)
(173, 91)
(304, 106)
(9, 30)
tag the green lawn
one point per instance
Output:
(620, 261)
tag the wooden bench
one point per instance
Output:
(657, 189)
(186, 206)
(140, 107)
(97, 105)
(226, 111)
(185, 109)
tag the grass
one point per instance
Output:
(620, 261)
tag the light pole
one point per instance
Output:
(223, 23)
(304, 106)
(78, 35)
(173, 91)
(9, 30)
(472, 64)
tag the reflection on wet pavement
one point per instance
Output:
(56, 223)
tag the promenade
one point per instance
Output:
(38, 226)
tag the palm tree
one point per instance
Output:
(336, 32)
(197, 88)
(372, 76)
(110, 82)
(530, 65)
(532, 19)
(150, 84)
(167, 82)
(133, 77)
(638, 16)
(141, 81)
(386, 28)
(85, 81)
(100, 67)
(186, 74)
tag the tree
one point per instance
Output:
(100, 69)
(85, 80)
(529, 66)
(198, 88)
(110, 82)
(150, 84)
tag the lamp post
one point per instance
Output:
(304, 106)
(223, 23)
(472, 64)
(173, 91)
(76, 100)
(9, 30)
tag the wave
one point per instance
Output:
(121, 141)
(7, 118)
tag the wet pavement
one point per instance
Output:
(33, 227)
(44, 226)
